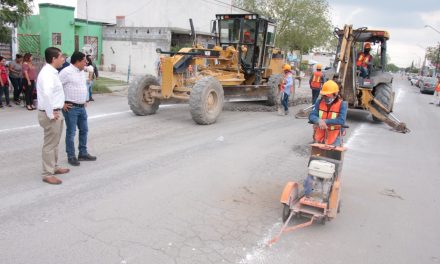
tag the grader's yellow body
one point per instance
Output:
(244, 65)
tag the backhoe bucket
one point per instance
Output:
(381, 113)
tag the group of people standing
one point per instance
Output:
(22, 74)
(63, 94)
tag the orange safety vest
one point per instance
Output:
(363, 60)
(328, 112)
(316, 80)
(437, 89)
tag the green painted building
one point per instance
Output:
(56, 26)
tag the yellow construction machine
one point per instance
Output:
(244, 65)
(374, 92)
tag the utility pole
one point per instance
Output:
(437, 61)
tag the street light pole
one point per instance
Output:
(433, 28)
(437, 61)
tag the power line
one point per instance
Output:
(225, 5)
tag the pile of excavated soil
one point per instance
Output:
(303, 95)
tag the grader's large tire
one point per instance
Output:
(274, 86)
(384, 94)
(139, 98)
(206, 100)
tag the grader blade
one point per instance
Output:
(242, 93)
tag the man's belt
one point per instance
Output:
(55, 110)
(73, 104)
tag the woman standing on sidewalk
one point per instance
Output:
(29, 76)
(15, 75)
(91, 74)
(4, 83)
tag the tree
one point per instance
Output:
(389, 66)
(12, 12)
(433, 54)
(392, 67)
(301, 24)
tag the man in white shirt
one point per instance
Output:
(88, 73)
(74, 111)
(50, 101)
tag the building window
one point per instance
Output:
(56, 39)
(91, 46)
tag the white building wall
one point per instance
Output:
(156, 13)
(143, 56)
(133, 41)
(125, 47)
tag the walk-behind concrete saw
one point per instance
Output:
(319, 198)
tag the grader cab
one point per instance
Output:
(244, 65)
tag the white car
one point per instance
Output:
(413, 80)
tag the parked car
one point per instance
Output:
(427, 84)
(413, 80)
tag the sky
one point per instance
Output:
(405, 20)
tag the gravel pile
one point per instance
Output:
(303, 95)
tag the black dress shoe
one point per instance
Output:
(73, 161)
(87, 157)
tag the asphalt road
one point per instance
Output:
(165, 190)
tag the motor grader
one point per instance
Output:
(244, 65)
(374, 92)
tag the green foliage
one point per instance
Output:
(412, 70)
(433, 54)
(388, 67)
(179, 46)
(102, 85)
(12, 12)
(301, 24)
(392, 67)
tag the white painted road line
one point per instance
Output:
(7, 130)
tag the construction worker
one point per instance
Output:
(437, 93)
(247, 37)
(364, 61)
(286, 88)
(328, 115)
(315, 82)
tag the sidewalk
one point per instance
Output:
(116, 76)
(117, 89)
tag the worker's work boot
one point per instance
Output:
(280, 111)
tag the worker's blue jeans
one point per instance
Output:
(76, 116)
(90, 86)
(364, 72)
(315, 95)
(285, 101)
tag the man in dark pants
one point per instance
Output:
(316, 81)
(74, 111)
(16, 76)
(286, 88)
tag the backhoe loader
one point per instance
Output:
(374, 92)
